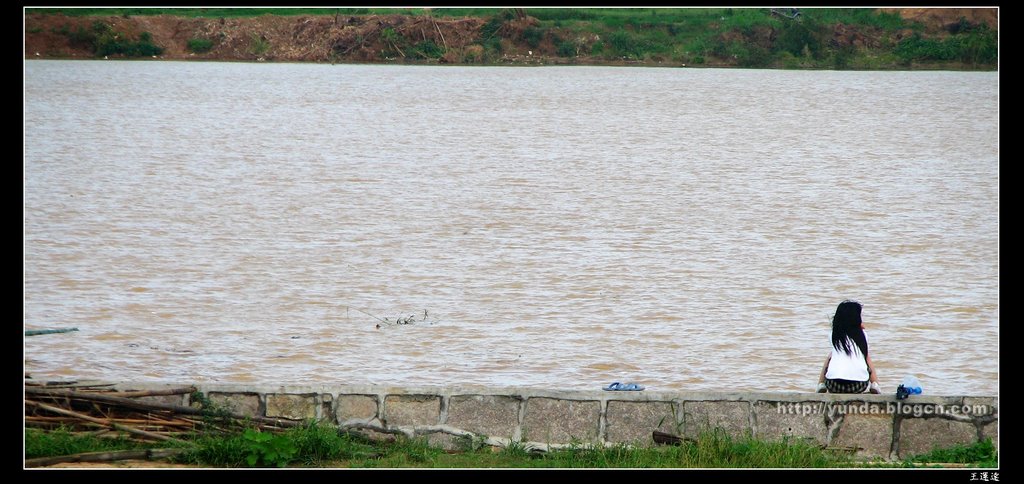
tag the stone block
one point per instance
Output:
(296, 407)
(412, 410)
(731, 417)
(557, 421)
(177, 400)
(991, 430)
(634, 422)
(356, 407)
(774, 422)
(242, 403)
(490, 415)
(922, 435)
(870, 434)
(445, 441)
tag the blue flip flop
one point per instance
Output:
(628, 387)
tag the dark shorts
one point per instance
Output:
(845, 386)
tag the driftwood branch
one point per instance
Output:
(439, 33)
(37, 332)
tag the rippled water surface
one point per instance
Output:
(561, 226)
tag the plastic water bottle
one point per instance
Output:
(912, 385)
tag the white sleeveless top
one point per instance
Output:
(851, 367)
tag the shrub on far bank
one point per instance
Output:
(103, 40)
(426, 50)
(200, 46)
(977, 46)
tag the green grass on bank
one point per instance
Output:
(711, 451)
(318, 445)
(982, 454)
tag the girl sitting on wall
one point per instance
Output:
(848, 368)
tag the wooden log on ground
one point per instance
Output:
(153, 393)
(72, 384)
(669, 439)
(149, 454)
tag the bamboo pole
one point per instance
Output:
(43, 419)
(98, 433)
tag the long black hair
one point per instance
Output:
(846, 328)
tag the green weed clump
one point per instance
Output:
(312, 444)
(62, 441)
(264, 449)
(259, 45)
(426, 50)
(321, 445)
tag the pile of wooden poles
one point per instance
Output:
(102, 411)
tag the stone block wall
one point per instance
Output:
(874, 426)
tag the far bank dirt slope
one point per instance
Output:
(398, 37)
